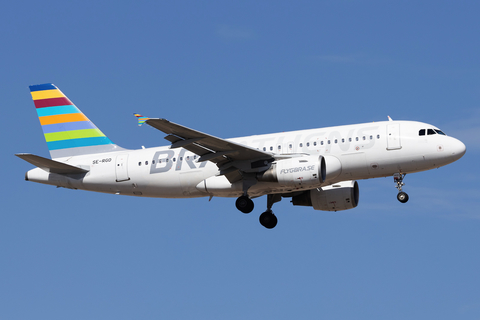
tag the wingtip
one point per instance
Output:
(141, 119)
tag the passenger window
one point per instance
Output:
(328, 141)
(174, 159)
(139, 163)
(264, 149)
(349, 139)
(378, 136)
(146, 163)
(343, 140)
(430, 132)
(271, 148)
(421, 132)
(336, 140)
(371, 137)
(290, 146)
(356, 138)
(279, 147)
(301, 145)
(308, 144)
(321, 142)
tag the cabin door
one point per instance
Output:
(121, 167)
(393, 136)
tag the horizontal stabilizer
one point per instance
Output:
(50, 165)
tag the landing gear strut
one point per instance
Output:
(244, 203)
(398, 179)
(268, 219)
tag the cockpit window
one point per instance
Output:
(430, 132)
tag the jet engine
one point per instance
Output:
(339, 196)
(307, 171)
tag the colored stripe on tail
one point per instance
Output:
(67, 130)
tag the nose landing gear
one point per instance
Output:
(398, 179)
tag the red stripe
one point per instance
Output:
(52, 102)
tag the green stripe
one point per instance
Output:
(74, 134)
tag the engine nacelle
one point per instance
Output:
(339, 196)
(308, 171)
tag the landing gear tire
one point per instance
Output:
(244, 204)
(402, 197)
(268, 219)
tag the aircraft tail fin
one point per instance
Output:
(67, 130)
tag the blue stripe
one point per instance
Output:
(41, 87)
(75, 143)
(68, 126)
(52, 111)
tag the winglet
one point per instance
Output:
(141, 119)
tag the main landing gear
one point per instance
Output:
(244, 204)
(398, 179)
(267, 219)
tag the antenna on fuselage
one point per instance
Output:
(389, 119)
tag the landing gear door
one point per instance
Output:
(121, 168)
(393, 136)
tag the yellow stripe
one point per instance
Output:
(61, 118)
(47, 94)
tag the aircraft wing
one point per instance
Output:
(209, 148)
(233, 159)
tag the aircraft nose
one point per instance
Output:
(458, 149)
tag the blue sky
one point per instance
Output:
(234, 69)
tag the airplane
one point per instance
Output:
(318, 168)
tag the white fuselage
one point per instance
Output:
(360, 151)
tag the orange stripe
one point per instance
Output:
(61, 118)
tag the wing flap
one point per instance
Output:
(50, 165)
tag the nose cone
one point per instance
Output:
(458, 149)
